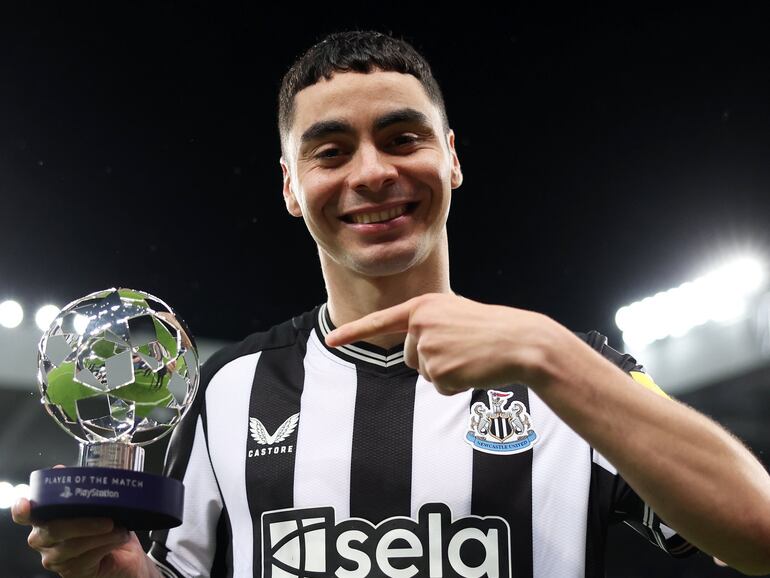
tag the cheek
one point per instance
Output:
(319, 213)
(321, 191)
(430, 169)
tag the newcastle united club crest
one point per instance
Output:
(497, 429)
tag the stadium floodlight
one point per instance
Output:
(722, 295)
(11, 314)
(7, 495)
(10, 493)
(45, 316)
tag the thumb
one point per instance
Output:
(20, 512)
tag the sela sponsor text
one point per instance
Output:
(309, 542)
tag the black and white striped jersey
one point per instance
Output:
(301, 460)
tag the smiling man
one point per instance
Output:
(427, 435)
(369, 162)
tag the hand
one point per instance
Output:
(458, 344)
(85, 547)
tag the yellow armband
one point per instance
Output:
(647, 382)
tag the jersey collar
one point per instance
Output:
(359, 353)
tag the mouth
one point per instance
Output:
(383, 216)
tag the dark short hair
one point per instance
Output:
(358, 51)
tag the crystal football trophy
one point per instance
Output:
(117, 370)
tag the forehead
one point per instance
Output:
(357, 98)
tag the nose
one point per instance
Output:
(371, 169)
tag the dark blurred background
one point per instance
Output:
(609, 153)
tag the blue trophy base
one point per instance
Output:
(134, 500)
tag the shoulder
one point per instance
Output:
(287, 334)
(599, 343)
(624, 361)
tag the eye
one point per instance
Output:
(328, 153)
(404, 139)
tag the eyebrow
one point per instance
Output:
(325, 128)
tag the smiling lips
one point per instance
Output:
(378, 216)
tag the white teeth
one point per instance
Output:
(366, 218)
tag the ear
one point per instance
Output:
(457, 173)
(292, 205)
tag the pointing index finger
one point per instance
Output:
(391, 320)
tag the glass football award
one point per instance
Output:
(117, 370)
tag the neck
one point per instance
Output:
(352, 295)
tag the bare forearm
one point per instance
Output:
(698, 478)
(694, 474)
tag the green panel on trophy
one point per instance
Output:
(64, 391)
(166, 339)
(134, 296)
(103, 348)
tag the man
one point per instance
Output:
(316, 451)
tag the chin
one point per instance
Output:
(385, 259)
(384, 265)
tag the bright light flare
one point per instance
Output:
(11, 314)
(722, 295)
(45, 316)
(81, 323)
(10, 493)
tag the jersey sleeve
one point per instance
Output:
(190, 549)
(623, 502)
(632, 510)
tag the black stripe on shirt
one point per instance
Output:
(222, 566)
(381, 457)
(506, 490)
(600, 500)
(275, 398)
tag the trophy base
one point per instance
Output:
(134, 500)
